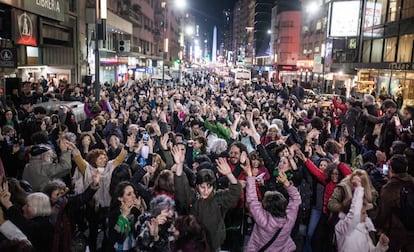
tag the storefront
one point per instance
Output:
(42, 36)
(397, 79)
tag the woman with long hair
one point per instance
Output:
(124, 211)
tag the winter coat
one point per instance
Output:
(38, 230)
(266, 224)
(342, 192)
(329, 186)
(39, 172)
(388, 219)
(352, 234)
(210, 212)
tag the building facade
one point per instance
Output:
(285, 41)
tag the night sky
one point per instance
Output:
(209, 12)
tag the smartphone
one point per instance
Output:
(145, 137)
(385, 169)
(260, 176)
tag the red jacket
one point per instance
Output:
(329, 186)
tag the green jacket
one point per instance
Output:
(218, 128)
(209, 212)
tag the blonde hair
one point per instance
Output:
(369, 190)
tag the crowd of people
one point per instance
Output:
(205, 166)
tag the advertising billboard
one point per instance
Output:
(344, 19)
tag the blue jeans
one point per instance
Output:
(313, 221)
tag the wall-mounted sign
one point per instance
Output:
(8, 57)
(53, 9)
(25, 28)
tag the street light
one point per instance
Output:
(180, 4)
(101, 15)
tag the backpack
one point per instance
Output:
(407, 206)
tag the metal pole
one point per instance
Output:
(97, 59)
(165, 41)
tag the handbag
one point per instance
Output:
(267, 245)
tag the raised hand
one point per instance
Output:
(178, 155)
(5, 195)
(247, 167)
(95, 177)
(126, 208)
(243, 157)
(300, 155)
(223, 167)
(153, 227)
(164, 141)
(282, 178)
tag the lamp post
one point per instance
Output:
(100, 34)
(180, 4)
(165, 50)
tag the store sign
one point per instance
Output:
(401, 66)
(53, 9)
(8, 57)
(25, 28)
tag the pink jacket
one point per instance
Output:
(267, 225)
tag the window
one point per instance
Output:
(408, 9)
(377, 50)
(390, 49)
(285, 39)
(405, 48)
(392, 11)
(318, 25)
(366, 51)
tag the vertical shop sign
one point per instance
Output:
(25, 28)
(8, 57)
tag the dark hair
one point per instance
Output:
(164, 182)
(119, 192)
(317, 123)
(242, 147)
(398, 147)
(206, 176)
(190, 231)
(203, 141)
(245, 123)
(120, 174)
(275, 203)
(39, 137)
(331, 168)
(410, 110)
(388, 103)
(202, 158)
(332, 147)
(398, 163)
(39, 111)
(368, 167)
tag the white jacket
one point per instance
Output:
(352, 235)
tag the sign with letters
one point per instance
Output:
(8, 57)
(53, 9)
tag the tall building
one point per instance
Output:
(262, 18)
(285, 39)
(243, 31)
(226, 33)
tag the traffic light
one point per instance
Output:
(121, 46)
